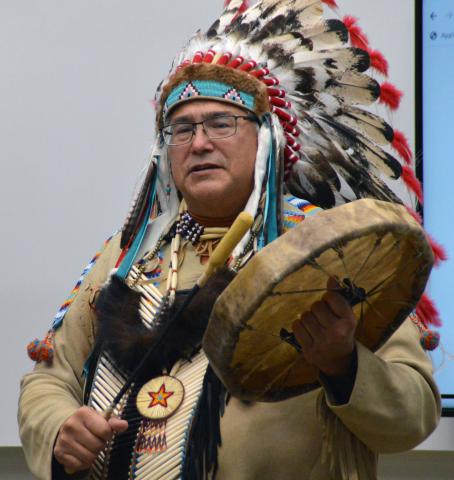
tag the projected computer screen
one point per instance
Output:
(438, 170)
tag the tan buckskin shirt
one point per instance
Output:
(394, 404)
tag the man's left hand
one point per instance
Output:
(326, 333)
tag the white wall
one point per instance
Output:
(75, 127)
(76, 124)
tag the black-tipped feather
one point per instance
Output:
(369, 155)
(368, 124)
(337, 26)
(306, 181)
(138, 208)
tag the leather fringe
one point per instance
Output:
(205, 438)
(346, 456)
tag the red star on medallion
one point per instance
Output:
(160, 397)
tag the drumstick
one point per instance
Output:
(222, 252)
(236, 232)
(230, 240)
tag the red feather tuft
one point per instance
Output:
(400, 143)
(439, 252)
(330, 3)
(390, 95)
(427, 312)
(415, 215)
(408, 176)
(378, 61)
(357, 37)
(244, 6)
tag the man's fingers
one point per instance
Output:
(332, 284)
(339, 305)
(90, 441)
(301, 334)
(97, 425)
(335, 300)
(72, 464)
(75, 456)
(83, 436)
(313, 326)
(323, 313)
(118, 425)
(81, 444)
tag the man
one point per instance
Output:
(221, 152)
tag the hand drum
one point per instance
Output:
(378, 253)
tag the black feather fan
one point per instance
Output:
(123, 334)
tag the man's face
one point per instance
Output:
(215, 177)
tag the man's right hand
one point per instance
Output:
(83, 436)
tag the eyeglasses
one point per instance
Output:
(221, 126)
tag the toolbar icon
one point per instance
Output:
(433, 15)
(433, 35)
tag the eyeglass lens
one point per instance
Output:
(215, 127)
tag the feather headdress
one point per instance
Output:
(316, 84)
(315, 76)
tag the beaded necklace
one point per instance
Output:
(204, 239)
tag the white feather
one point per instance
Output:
(322, 38)
(169, 201)
(228, 15)
(261, 162)
(331, 103)
(287, 78)
(287, 42)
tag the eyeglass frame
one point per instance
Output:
(194, 125)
